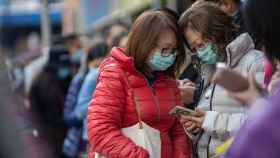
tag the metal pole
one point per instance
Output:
(45, 24)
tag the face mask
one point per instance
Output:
(160, 63)
(63, 73)
(76, 57)
(208, 54)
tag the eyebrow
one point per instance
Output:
(169, 45)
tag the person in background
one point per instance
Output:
(142, 74)
(114, 31)
(46, 99)
(71, 142)
(76, 51)
(120, 40)
(71, 147)
(268, 72)
(19, 130)
(259, 137)
(211, 35)
(95, 57)
(233, 8)
(83, 89)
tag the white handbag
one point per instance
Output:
(146, 137)
(142, 135)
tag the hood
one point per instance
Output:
(238, 48)
(119, 54)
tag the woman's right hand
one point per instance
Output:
(190, 125)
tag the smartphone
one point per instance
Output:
(231, 80)
(179, 110)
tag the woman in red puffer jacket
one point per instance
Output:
(145, 70)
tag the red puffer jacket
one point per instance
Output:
(112, 109)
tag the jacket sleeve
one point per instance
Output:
(104, 118)
(223, 123)
(256, 66)
(182, 147)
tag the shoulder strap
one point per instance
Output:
(134, 98)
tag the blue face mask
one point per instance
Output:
(63, 73)
(208, 54)
(76, 57)
(161, 63)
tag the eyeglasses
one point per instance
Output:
(194, 49)
(166, 52)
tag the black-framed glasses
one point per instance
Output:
(166, 52)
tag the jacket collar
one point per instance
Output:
(126, 61)
(238, 48)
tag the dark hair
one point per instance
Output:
(71, 36)
(209, 20)
(238, 2)
(118, 38)
(175, 15)
(262, 21)
(169, 12)
(143, 35)
(98, 50)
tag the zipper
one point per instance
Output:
(155, 98)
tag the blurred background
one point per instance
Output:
(43, 47)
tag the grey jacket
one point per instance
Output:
(227, 114)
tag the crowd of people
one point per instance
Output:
(83, 85)
(50, 115)
(114, 97)
(137, 85)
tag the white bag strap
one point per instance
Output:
(134, 98)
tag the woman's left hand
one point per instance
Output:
(194, 123)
